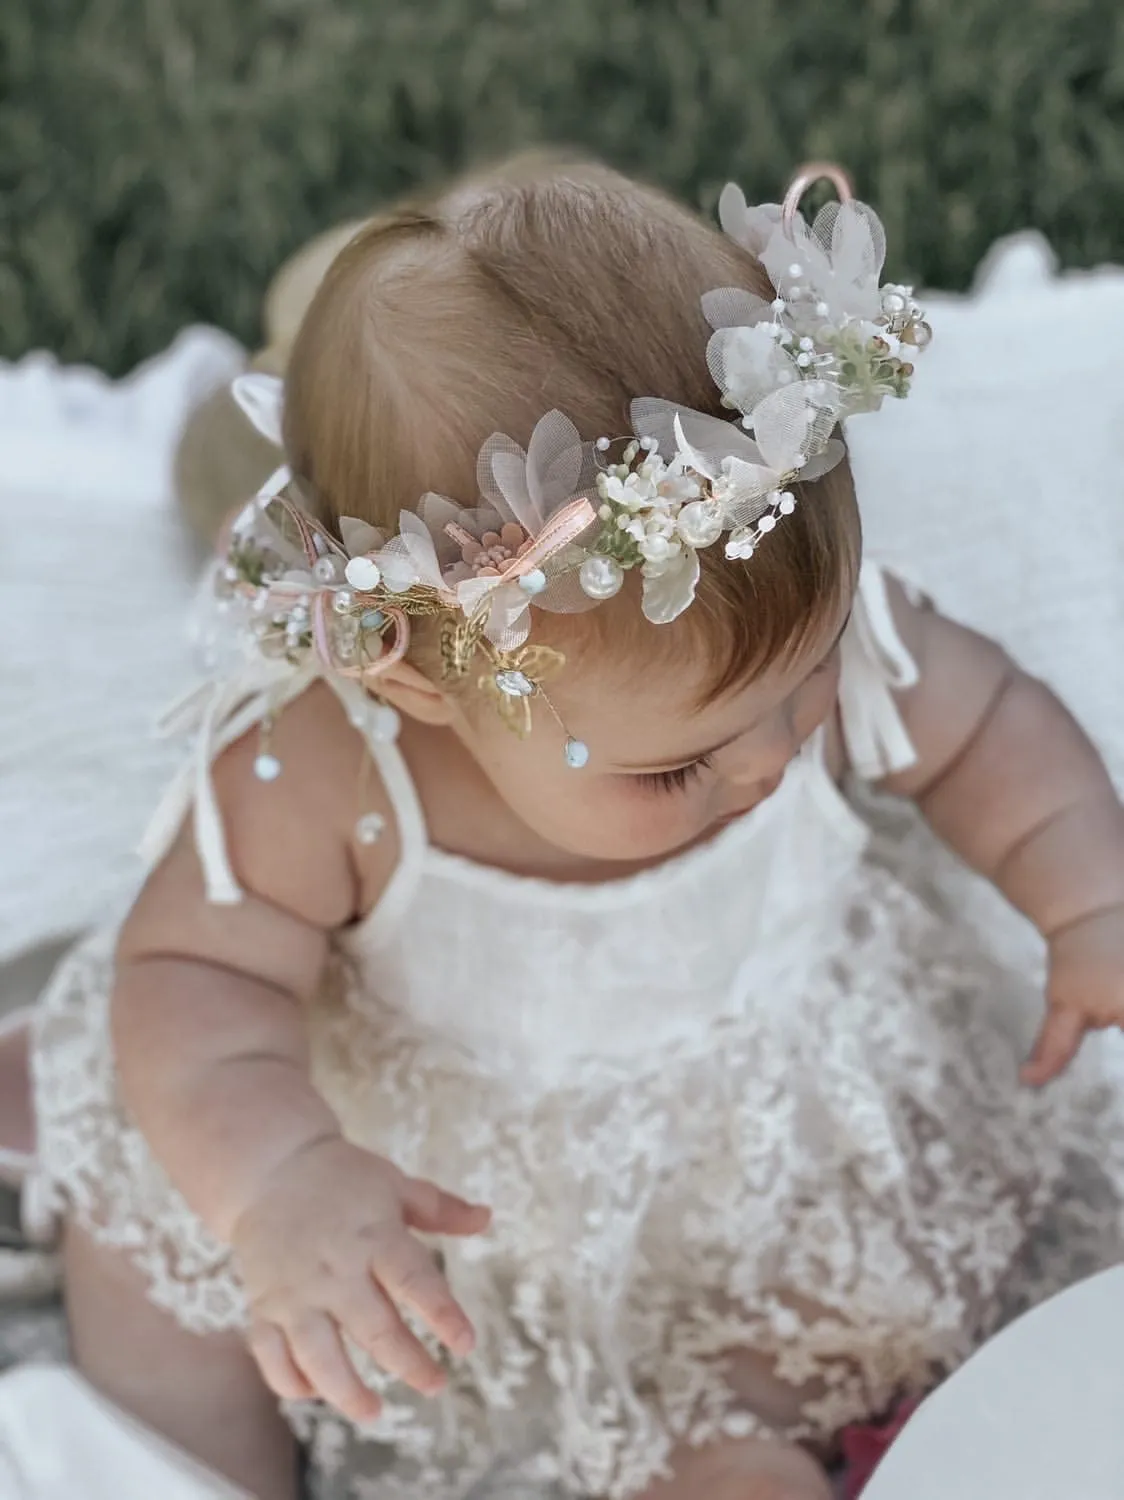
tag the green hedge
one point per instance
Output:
(158, 158)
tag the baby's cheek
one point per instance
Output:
(644, 822)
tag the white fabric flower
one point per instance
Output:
(749, 363)
(669, 585)
(409, 560)
(529, 487)
(792, 429)
(751, 225)
(262, 399)
(836, 264)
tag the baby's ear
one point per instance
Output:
(412, 693)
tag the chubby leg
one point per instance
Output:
(202, 1393)
(749, 1468)
(746, 1469)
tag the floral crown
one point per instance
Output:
(557, 527)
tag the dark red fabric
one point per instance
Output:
(865, 1446)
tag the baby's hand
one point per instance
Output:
(1086, 991)
(326, 1250)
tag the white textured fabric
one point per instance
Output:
(1000, 478)
(61, 1440)
(96, 569)
(758, 1097)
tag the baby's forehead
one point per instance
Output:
(646, 716)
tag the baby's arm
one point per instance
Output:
(1013, 785)
(209, 1034)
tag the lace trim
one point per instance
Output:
(851, 1187)
(95, 1161)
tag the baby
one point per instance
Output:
(515, 1051)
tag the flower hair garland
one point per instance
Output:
(558, 527)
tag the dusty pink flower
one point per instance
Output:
(495, 551)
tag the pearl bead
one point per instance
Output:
(921, 335)
(576, 753)
(372, 619)
(603, 445)
(363, 573)
(655, 548)
(325, 570)
(796, 269)
(787, 503)
(514, 684)
(779, 304)
(803, 360)
(369, 828)
(267, 767)
(343, 601)
(766, 523)
(533, 582)
(700, 523)
(648, 444)
(601, 577)
(822, 309)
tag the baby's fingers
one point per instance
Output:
(407, 1272)
(270, 1349)
(372, 1322)
(320, 1356)
(431, 1210)
(1058, 1044)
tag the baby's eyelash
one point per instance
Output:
(673, 781)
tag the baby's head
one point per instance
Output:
(547, 286)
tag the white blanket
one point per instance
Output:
(96, 569)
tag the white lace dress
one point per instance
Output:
(761, 1097)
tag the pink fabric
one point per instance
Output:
(865, 1446)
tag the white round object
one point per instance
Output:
(533, 582)
(267, 767)
(766, 523)
(601, 577)
(700, 523)
(325, 569)
(576, 753)
(921, 335)
(655, 548)
(368, 829)
(363, 573)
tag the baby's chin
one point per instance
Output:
(613, 846)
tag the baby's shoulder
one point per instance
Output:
(302, 838)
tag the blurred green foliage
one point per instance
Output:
(159, 158)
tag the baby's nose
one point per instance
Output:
(767, 760)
